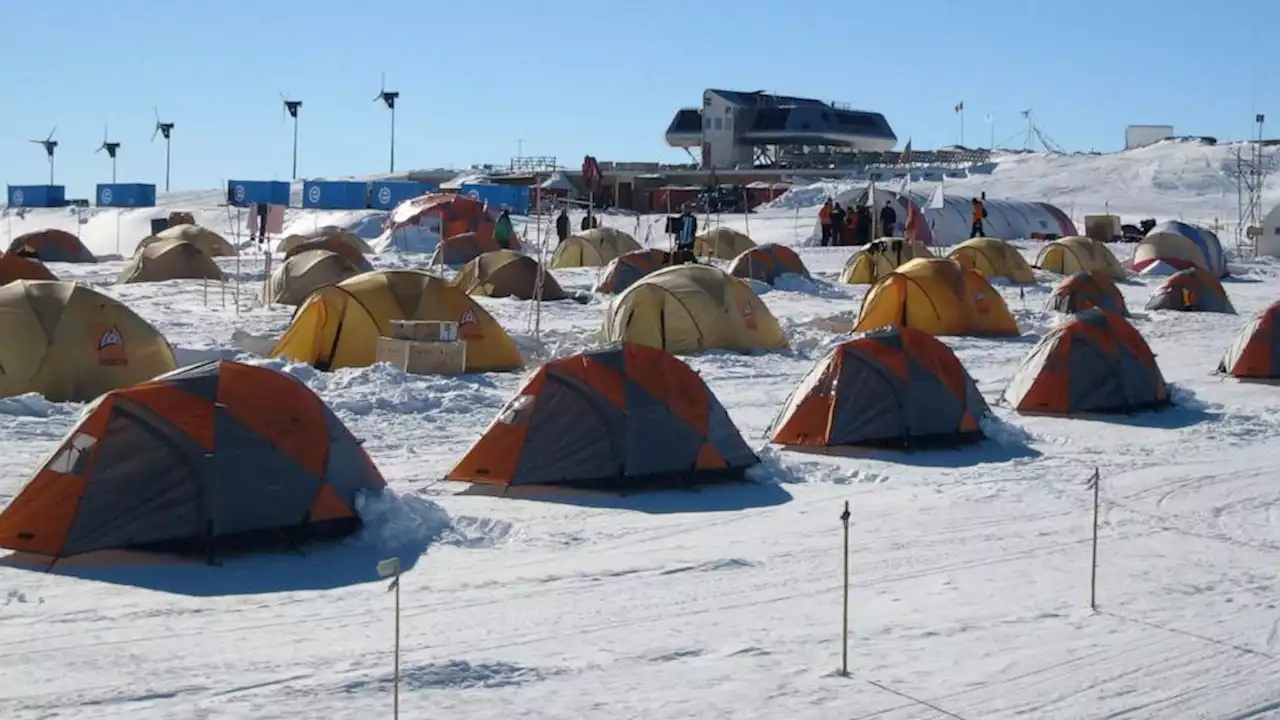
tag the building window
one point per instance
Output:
(706, 123)
(719, 123)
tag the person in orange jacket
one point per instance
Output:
(979, 214)
(824, 219)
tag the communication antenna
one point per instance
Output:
(389, 97)
(1034, 134)
(112, 148)
(165, 129)
(50, 145)
(1251, 171)
(291, 107)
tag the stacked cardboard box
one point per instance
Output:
(426, 347)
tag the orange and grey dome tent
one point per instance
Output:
(67, 341)
(1076, 253)
(16, 267)
(462, 249)
(937, 296)
(767, 263)
(52, 246)
(339, 325)
(898, 387)
(169, 260)
(300, 275)
(213, 457)
(625, 270)
(619, 418)
(1096, 362)
(330, 243)
(455, 214)
(1085, 290)
(1255, 353)
(879, 258)
(592, 248)
(687, 309)
(507, 273)
(209, 242)
(722, 243)
(994, 258)
(1193, 290)
(328, 238)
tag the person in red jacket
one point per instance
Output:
(979, 214)
(824, 219)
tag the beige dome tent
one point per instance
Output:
(169, 260)
(302, 274)
(994, 258)
(879, 258)
(328, 233)
(506, 273)
(686, 309)
(1076, 253)
(209, 242)
(67, 341)
(722, 243)
(593, 248)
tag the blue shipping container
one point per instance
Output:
(326, 195)
(37, 196)
(512, 197)
(243, 193)
(387, 194)
(126, 195)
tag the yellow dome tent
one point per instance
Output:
(937, 296)
(209, 242)
(300, 275)
(994, 258)
(169, 260)
(339, 325)
(722, 243)
(592, 248)
(328, 233)
(1076, 253)
(67, 341)
(686, 309)
(879, 258)
(506, 273)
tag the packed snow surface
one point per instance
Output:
(969, 569)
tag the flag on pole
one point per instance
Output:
(906, 153)
(960, 106)
(1092, 482)
(936, 200)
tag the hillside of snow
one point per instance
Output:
(969, 568)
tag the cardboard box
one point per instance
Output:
(424, 330)
(1102, 228)
(423, 357)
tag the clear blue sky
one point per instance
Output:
(571, 77)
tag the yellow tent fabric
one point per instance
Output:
(994, 258)
(169, 260)
(937, 296)
(506, 273)
(297, 277)
(326, 232)
(722, 243)
(879, 258)
(687, 309)
(1076, 253)
(69, 342)
(593, 248)
(209, 242)
(339, 325)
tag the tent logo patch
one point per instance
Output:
(111, 347)
(469, 325)
(748, 316)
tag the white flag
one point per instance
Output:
(937, 201)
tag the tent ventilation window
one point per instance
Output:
(73, 458)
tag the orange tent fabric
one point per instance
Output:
(1085, 290)
(767, 263)
(896, 387)
(1095, 362)
(16, 267)
(52, 246)
(1192, 290)
(624, 270)
(212, 457)
(623, 417)
(462, 249)
(457, 214)
(1255, 353)
(335, 245)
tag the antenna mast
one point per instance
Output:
(165, 129)
(112, 148)
(389, 97)
(292, 107)
(1251, 171)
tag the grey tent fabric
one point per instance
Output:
(1205, 291)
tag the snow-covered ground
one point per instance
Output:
(969, 568)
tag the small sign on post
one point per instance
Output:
(390, 568)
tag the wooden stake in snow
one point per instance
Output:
(1094, 483)
(844, 624)
(390, 568)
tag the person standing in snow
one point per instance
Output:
(864, 226)
(979, 213)
(589, 222)
(562, 224)
(837, 225)
(824, 220)
(685, 238)
(888, 219)
(503, 232)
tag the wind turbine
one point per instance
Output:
(112, 148)
(389, 97)
(50, 145)
(165, 129)
(292, 107)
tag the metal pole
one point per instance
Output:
(393, 138)
(295, 147)
(395, 701)
(1093, 570)
(844, 627)
(167, 144)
